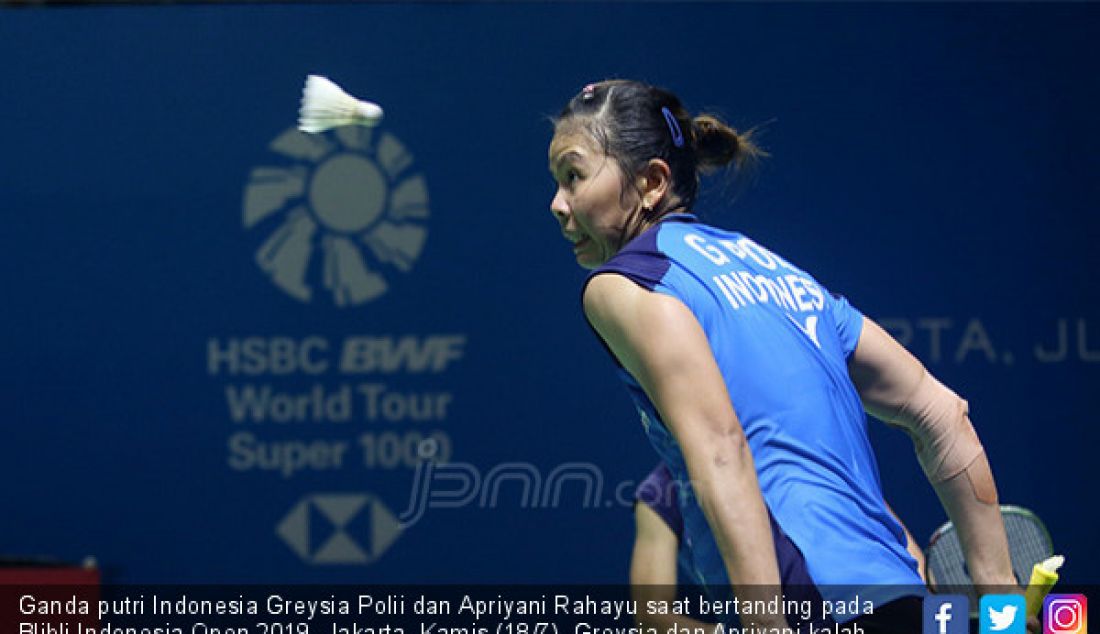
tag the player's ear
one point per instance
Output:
(654, 182)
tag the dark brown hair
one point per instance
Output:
(627, 120)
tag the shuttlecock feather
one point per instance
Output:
(325, 106)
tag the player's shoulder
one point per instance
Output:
(641, 261)
(606, 294)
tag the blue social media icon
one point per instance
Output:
(946, 614)
(1002, 614)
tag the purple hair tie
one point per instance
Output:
(673, 127)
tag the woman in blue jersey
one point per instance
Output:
(751, 379)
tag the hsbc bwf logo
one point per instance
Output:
(946, 614)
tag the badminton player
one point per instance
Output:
(751, 379)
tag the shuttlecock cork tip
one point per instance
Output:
(369, 111)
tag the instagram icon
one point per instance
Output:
(1065, 614)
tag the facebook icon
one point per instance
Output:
(946, 614)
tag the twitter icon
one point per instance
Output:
(1003, 614)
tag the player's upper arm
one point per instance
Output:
(884, 372)
(659, 341)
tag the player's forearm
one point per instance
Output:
(970, 499)
(728, 492)
(897, 388)
(724, 479)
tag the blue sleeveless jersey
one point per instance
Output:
(782, 343)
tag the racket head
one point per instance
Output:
(1029, 543)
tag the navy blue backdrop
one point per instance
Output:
(228, 346)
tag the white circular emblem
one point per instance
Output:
(344, 213)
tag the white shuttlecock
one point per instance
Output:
(325, 106)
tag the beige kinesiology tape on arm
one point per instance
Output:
(937, 418)
(945, 440)
(902, 392)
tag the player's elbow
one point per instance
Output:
(939, 421)
(930, 408)
(725, 445)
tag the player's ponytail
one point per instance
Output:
(719, 145)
